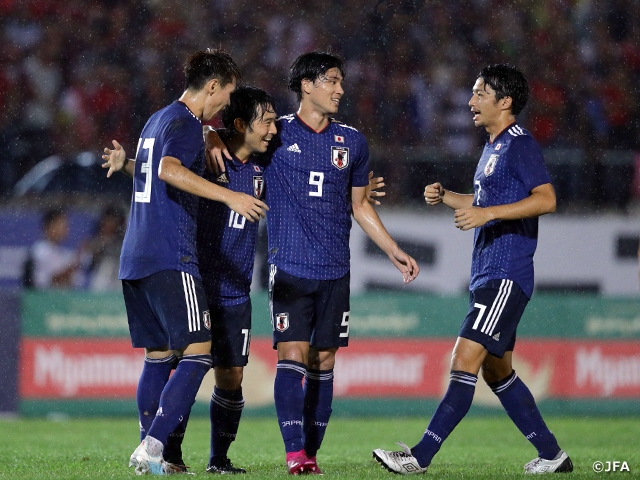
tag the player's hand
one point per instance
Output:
(114, 159)
(214, 149)
(249, 207)
(472, 217)
(371, 189)
(433, 193)
(406, 264)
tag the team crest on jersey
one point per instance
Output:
(491, 165)
(282, 322)
(206, 319)
(258, 186)
(340, 157)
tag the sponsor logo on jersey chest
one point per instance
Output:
(340, 157)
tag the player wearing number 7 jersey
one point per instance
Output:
(315, 181)
(512, 189)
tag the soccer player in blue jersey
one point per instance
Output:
(315, 181)
(226, 251)
(164, 296)
(512, 189)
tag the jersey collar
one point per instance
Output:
(497, 137)
(307, 127)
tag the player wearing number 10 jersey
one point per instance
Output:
(315, 180)
(226, 249)
(164, 297)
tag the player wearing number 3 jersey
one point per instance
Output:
(163, 293)
(315, 180)
(512, 189)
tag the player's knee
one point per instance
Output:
(294, 351)
(491, 374)
(324, 359)
(229, 378)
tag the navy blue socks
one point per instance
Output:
(155, 374)
(318, 395)
(179, 394)
(225, 410)
(523, 411)
(452, 408)
(289, 400)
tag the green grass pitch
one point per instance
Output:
(480, 448)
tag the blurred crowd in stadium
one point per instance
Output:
(75, 74)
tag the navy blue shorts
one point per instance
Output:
(305, 310)
(495, 310)
(230, 334)
(166, 309)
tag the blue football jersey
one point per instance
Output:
(508, 170)
(309, 184)
(226, 240)
(161, 233)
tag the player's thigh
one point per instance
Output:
(494, 313)
(291, 305)
(145, 328)
(230, 334)
(178, 301)
(331, 326)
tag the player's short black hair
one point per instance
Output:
(312, 65)
(244, 103)
(507, 81)
(204, 65)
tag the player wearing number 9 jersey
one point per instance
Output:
(315, 180)
(312, 174)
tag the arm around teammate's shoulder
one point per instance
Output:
(173, 172)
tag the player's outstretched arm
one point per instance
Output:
(368, 219)
(435, 193)
(177, 175)
(116, 160)
(541, 200)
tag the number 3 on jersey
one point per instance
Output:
(316, 179)
(145, 195)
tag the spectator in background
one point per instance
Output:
(50, 263)
(104, 248)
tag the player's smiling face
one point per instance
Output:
(326, 91)
(262, 130)
(484, 107)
